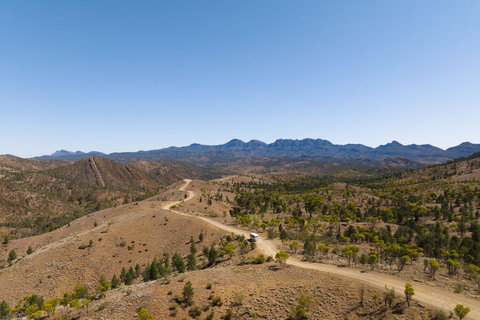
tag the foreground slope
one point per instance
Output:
(121, 237)
(268, 291)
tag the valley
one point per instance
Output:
(343, 237)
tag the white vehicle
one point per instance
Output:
(254, 237)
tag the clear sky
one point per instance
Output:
(139, 75)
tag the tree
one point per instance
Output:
(389, 296)
(138, 270)
(230, 250)
(434, 266)
(178, 263)
(461, 311)
(300, 311)
(402, 261)
(65, 300)
(212, 255)
(373, 258)
(29, 250)
(86, 303)
(191, 262)
(12, 255)
(115, 281)
(188, 293)
(409, 292)
(130, 277)
(282, 258)
(4, 310)
(144, 315)
(323, 249)
(453, 266)
(75, 303)
(201, 236)
(305, 301)
(294, 246)
(311, 203)
(80, 292)
(50, 306)
(123, 274)
(193, 248)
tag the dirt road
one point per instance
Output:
(437, 298)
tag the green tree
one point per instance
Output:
(294, 246)
(461, 311)
(80, 292)
(311, 204)
(373, 258)
(75, 304)
(66, 299)
(453, 266)
(12, 255)
(178, 263)
(29, 250)
(50, 306)
(305, 301)
(188, 293)
(86, 303)
(138, 271)
(402, 261)
(115, 281)
(434, 266)
(282, 258)
(144, 315)
(123, 274)
(409, 292)
(191, 262)
(4, 310)
(212, 256)
(130, 277)
(193, 248)
(300, 311)
(230, 249)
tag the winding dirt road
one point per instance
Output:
(437, 298)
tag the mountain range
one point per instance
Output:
(289, 148)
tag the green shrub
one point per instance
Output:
(102, 305)
(195, 312)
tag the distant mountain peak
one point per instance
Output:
(61, 153)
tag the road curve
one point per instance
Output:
(437, 298)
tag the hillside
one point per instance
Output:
(40, 196)
(9, 163)
(106, 173)
(75, 257)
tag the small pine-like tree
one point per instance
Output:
(212, 255)
(191, 262)
(115, 281)
(12, 255)
(130, 277)
(178, 263)
(29, 250)
(4, 310)
(188, 293)
(123, 274)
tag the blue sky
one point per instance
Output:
(139, 75)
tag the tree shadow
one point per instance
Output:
(274, 268)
